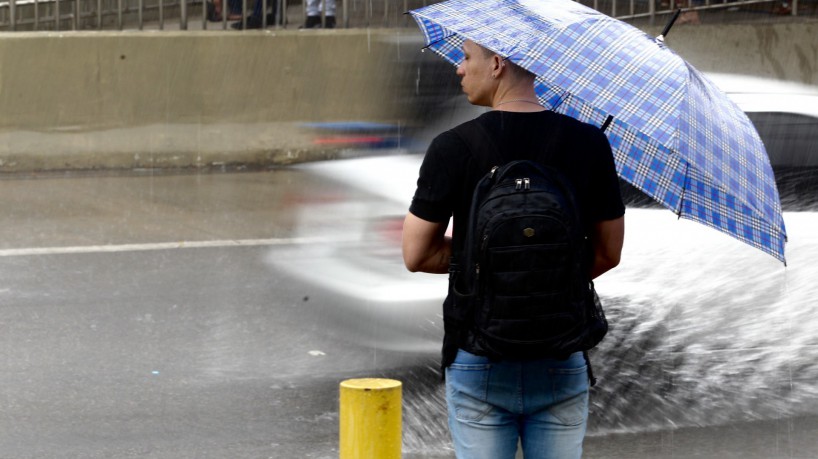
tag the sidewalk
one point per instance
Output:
(180, 146)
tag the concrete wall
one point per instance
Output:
(193, 99)
(84, 100)
(787, 51)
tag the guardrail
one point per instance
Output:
(56, 15)
(50, 15)
(648, 9)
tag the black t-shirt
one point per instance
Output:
(450, 172)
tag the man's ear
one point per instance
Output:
(498, 64)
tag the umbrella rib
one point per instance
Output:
(684, 189)
(437, 41)
(607, 123)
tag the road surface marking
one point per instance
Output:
(157, 246)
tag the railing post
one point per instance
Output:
(369, 12)
(57, 15)
(140, 8)
(183, 14)
(346, 13)
(281, 13)
(76, 21)
(119, 14)
(13, 14)
(99, 14)
(161, 15)
(370, 418)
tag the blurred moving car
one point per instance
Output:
(786, 117)
(364, 293)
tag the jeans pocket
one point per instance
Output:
(570, 392)
(467, 390)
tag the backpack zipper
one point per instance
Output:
(483, 243)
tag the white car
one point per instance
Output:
(358, 270)
(354, 208)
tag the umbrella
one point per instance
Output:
(674, 134)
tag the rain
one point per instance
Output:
(201, 233)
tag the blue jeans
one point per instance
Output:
(314, 7)
(543, 403)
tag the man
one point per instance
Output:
(493, 404)
(256, 18)
(313, 20)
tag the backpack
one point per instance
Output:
(524, 279)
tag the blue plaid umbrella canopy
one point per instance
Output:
(674, 134)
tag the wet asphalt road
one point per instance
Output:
(161, 351)
(197, 353)
(135, 349)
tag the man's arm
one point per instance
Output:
(608, 238)
(426, 248)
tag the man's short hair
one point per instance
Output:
(515, 69)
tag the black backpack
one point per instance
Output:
(524, 277)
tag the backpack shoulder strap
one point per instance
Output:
(480, 144)
(484, 150)
(487, 152)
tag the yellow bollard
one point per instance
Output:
(370, 417)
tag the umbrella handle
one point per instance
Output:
(669, 24)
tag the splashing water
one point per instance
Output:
(706, 330)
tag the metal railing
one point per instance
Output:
(651, 9)
(57, 15)
(186, 14)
